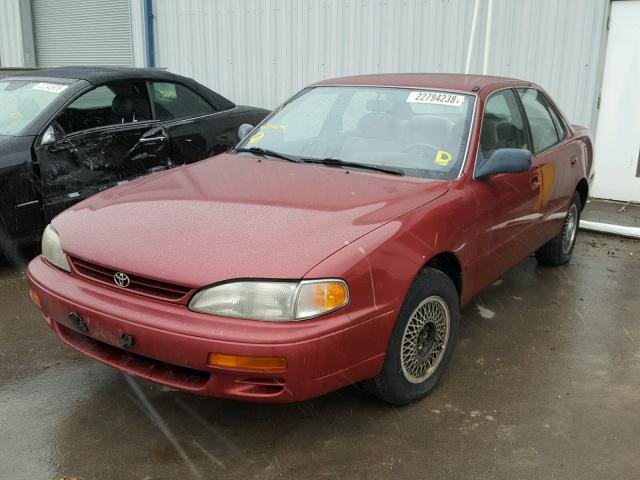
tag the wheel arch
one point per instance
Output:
(583, 190)
(449, 264)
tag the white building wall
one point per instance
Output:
(12, 53)
(260, 52)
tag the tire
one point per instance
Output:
(559, 249)
(428, 345)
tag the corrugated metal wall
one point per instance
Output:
(11, 48)
(260, 52)
(82, 32)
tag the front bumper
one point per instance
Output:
(171, 344)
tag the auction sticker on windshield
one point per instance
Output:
(437, 98)
(49, 87)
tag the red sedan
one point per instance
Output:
(336, 244)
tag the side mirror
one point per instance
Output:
(244, 130)
(49, 136)
(504, 160)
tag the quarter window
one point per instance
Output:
(173, 101)
(544, 132)
(502, 124)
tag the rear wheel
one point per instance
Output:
(559, 249)
(422, 340)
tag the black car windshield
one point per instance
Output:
(423, 133)
(23, 100)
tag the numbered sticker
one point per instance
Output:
(49, 87)
(436, 98)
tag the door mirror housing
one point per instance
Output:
(49, 136)
(504, 160)
(244, 130)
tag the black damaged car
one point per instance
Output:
(67, 133)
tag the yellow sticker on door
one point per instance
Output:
(443, 158)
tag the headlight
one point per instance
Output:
(272, 301)
(52, 251)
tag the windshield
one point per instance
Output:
(23, 100)
(423, 133)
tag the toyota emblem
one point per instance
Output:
(121, 279)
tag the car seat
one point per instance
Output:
(122, 109)
(376, 131)
(427, 129)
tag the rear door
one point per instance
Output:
(556, 157)
(103, 138)
(197, 130)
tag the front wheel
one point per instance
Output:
(559, 249)
(422, 340)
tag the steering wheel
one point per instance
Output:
(422, 148)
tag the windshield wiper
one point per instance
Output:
(263, 152)
(336, 162)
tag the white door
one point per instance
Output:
(617, 142)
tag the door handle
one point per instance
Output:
(574, 161)
(152, 139)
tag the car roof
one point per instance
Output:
(444, 81)
(99, 74)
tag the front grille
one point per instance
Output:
(141, 285)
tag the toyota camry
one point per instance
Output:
(334, 245)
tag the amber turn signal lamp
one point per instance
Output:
(329, 295)
(246, 362)
(35, 297)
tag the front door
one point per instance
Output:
(104, 137)
(82, 164)
(506, 204)
(617, 144)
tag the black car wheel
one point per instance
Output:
(559, 249)
(422, 340)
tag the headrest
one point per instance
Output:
(122, 106)
(142, 109)
(504, 130)
(380, 106)
(377, 125)
(489, 134)
(426, 122)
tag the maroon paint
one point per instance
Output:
(234, 216)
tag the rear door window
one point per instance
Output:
(110, 104)
(173, 101)
(544, 131)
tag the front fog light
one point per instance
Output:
(52, 251)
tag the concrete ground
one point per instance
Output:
(545, 383)
(608, 211)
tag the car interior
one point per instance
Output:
(393, 126)
(114, 103)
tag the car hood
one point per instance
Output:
(236, 216)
